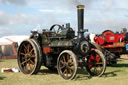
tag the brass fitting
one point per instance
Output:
(80, 6)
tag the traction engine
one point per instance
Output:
(113, 44)
(59, 48)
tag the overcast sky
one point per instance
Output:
(18, 17)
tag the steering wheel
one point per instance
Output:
(59, 28)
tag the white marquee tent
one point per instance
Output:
(8, 45)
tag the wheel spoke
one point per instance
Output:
(22, 53)
(27, 67)
(96, 70)
(30, 66)
(67, 73)
(70, 70)
(23, 58)
(62, 64)
(68, 58)
(92, 57)
(64, 59)
(72, 67)
(25, 61)
(32, 62)
(25, 47)
(62, 67)
(33, 56)
(72, 63)
(31, 51)
(97, 58)
(28, 48)
(101, 68)
(25, 51)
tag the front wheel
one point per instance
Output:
(67, 65)
(96, 63)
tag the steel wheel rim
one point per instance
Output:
(27, 57)
(95, 64)
(66, 66)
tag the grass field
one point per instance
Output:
(115, 75)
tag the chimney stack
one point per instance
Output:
(80, 12)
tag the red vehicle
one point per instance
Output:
(113, 44)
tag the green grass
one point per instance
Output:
(115, 75)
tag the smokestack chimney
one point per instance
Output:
(80, 12)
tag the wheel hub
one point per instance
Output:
(27, 56)
(66, 65)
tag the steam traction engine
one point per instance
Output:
(114, 44)
(61, 49)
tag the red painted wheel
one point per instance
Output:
(29, 57)
(67, 65)
(96, 63)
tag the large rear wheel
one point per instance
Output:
(29, 56)
(96, 63)
(67, 65)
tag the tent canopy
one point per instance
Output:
(4, 41)
(10, 39)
